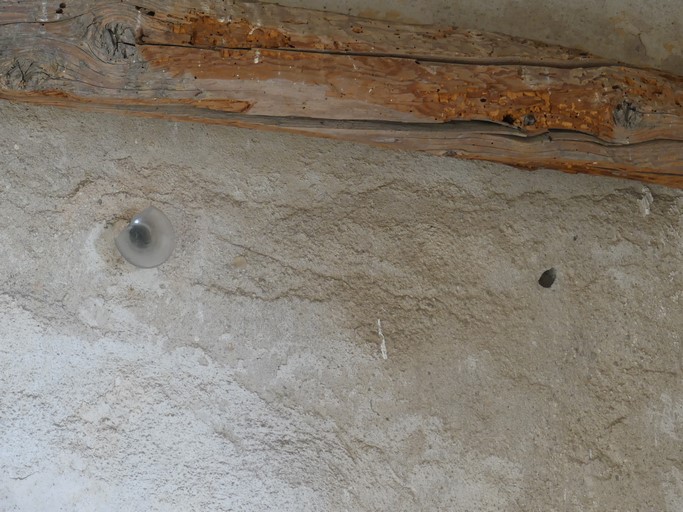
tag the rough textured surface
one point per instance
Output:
(643, 33)
(442, 90)
(247, 373)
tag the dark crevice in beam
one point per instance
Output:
(469, 61)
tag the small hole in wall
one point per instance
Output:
(508, 119)
(62, 5)
(59, 11)
(143, 11)
(529, 120)
(548, 278)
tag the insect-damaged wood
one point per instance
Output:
(442, 90)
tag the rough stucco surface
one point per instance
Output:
(247, 373)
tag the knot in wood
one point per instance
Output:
(626, 115)
(118, 41)
(24, 74)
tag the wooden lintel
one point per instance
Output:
(441, 90)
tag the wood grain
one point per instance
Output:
(441, 90)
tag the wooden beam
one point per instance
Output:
(441, 90)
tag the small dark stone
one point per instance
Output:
(547, 278)
(529, 120)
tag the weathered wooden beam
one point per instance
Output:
(442, 90)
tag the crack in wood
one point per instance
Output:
(420, 59)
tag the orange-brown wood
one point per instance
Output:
(442, 90)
